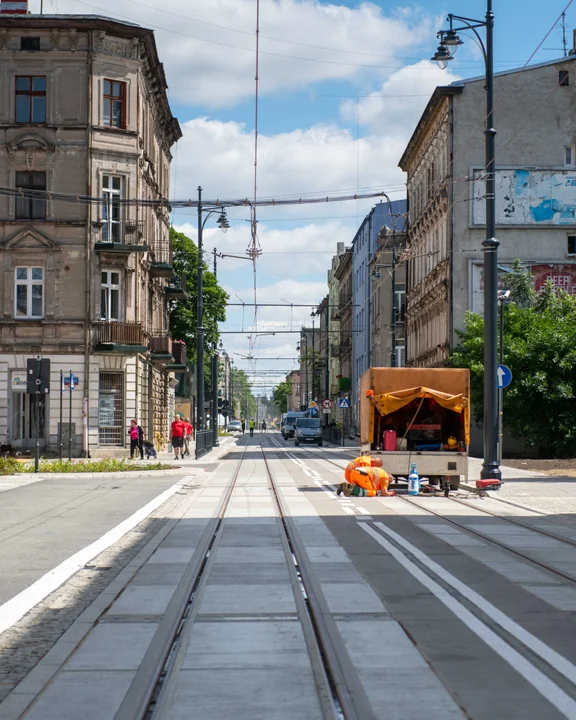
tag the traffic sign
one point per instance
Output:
(66, 382)
(312, 404)
(327, 404)
(326, 411)
(504, 375)
(343, 402)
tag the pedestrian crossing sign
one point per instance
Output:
(343, 403)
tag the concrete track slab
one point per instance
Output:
(247, 598)
(143, 600)
(247, 694)
(117, 646)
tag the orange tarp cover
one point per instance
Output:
(392, 391)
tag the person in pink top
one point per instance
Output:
(136, 439)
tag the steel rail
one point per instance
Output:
(140, 695)
(342, 675)
(481, 535)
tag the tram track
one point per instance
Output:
(487, 538)
(340, 694)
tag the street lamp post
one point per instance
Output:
(313, 316)
(223, 225)
(449, 41)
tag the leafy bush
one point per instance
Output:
(540, 350)
(9, 466)
(89, 466)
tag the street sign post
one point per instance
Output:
(344, 403)
(504, 375)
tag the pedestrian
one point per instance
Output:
(188, 430)
(136, 439)
(243, 426)
(178, 431)
(252, 426)
(263, 426)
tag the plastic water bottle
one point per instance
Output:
(413, 481)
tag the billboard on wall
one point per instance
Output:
(527, 197)
(563, 277)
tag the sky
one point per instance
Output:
(342, 86)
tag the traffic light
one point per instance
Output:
(219, 405)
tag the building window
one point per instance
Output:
(571, 244)
(400, 356)
(563, 78)
(111, 208)
(29, 206)
(110, 295)
(30, 44)
(111, 429)
(569, 156)
(29, 292)
(114, 104)
(30, 99)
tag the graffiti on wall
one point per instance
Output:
(528, 197)
(563, 276)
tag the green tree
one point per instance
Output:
(315, 367)
(281, 395)
(540, 350)
(242, 393)
(183, 313)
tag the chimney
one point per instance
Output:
(340, 249)
(13, 7)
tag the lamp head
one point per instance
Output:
(222, 221)
(442, 56)
(452, 41)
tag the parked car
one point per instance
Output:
(234, 426)
(308, 430)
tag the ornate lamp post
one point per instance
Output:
(449, 42)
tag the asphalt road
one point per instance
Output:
(44, 523)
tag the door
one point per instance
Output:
(26, 413)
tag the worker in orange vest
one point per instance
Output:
(366, 481)
(362, 461)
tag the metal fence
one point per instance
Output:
(332, 435)
(204, 442)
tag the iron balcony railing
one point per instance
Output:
(120, 232)
(179, 353)
(118, 333)
(161, 345)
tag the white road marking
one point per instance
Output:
(15, 608)
(546, 687)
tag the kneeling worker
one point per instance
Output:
(362, 461)
(366, 482)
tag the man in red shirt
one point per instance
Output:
(188, 430)
(178, 432)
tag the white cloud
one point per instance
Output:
(396, 117)
(321, 159)
(305, 250)
(203, 68)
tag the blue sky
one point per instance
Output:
(343, 84)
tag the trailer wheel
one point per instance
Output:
(454, 481)
(434, 480)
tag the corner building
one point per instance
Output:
(87, 284)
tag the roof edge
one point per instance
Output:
(440, 92)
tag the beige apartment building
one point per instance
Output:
(535, 197)
(85, 283)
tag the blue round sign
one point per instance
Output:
(504, 376)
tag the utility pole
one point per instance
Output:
(214, 379)
(394, 306)
(199, 328)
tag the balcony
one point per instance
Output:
(179, 355)
(161, 350)
(161, 260)
(176, 292)
(123, 338)
(120, 238)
